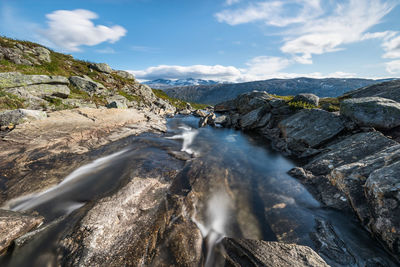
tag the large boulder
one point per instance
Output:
(251, 119)
(19, 116)
(245, 252)
(14, 225)
(43, 54)
(382, 190)
(250, 101)
(310, 128)
(125, 74)
(117, 101)
(390, 90)
(102, 67)
(87, 85)
(372, 111)
(41, 90)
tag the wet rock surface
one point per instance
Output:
(14, 225)
(241, 252)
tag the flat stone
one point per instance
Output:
(389, 90)
(87, 84)
(349, 150)
(125, 74)
(372, 111)
(242, 252)
(310, 127)
(251, 119)
(117, 101)
(14, 225)
(16, 79)
(42, 90)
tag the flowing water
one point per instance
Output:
(243, 191)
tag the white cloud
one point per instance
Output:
(272, 12)
(107, 50)
(312, 28)
(258, 68)
(392, 47)
(223, 73)
(71, 29)
(393, 67)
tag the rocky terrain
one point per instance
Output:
(213, 94)
(350, 157)
(59, 115)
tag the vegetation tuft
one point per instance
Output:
(180, 104)
(10, 101)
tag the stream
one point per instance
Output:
(241, 189)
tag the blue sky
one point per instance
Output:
(226, 40)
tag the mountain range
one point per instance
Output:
(215, 93)
(166, 83)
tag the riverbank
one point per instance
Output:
(350, 158)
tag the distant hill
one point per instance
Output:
(166, 83)
(213, 94)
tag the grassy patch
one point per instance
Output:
(10, 101)
(330, 104)
(300, 105)
(284, 97)
(130, 97)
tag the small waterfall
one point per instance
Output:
(71, 181)
(214, 228)
(188, 135)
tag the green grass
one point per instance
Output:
(300, 105)
(10, 101)
(284, 97)
(130, 97)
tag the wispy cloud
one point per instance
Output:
(145, 49)
(311, 28)
(258, 68)
(106, 50)
(393, 67)
(70, 29)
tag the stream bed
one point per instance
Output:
(239, 188)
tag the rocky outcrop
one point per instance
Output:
(23, 54)
(102, 67)
(310, 128)
(307, 98)
(349, 165)
(242, 252)
(125, 74)
(117, 101)
(19, 116)
(375, 112)
(14, 225)
(389, 90)
(25, 151)
(87, 85)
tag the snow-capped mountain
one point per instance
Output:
(166, 83)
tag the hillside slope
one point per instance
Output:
(331, 87)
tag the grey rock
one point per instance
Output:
(16, 79)
(382, 190)
(229, 105)
(185, 112)
(87, 84)
(43, 54)
(144, 93)
(372, 111)
(307, 98)
(117, 101)
(222, 120)
(41, 90)
(310, 128)
(125, 74)
(102, 67)
(207, 120)
(199, 113)
(15, 55)
(389, 90)
(250, 101)
(351, 178)
(245, 252)
(19, 116)
(78, 103)
(329, 244)
(14, 225)
(349, 150)
(251, 119)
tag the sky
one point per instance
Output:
(223, 40)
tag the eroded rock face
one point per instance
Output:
(382, 190)
(16, 79)
(125, 74)
(389, 90)
(14, 224)
(245, 252)
(117, 101)
(376, 112)
(310, 128)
